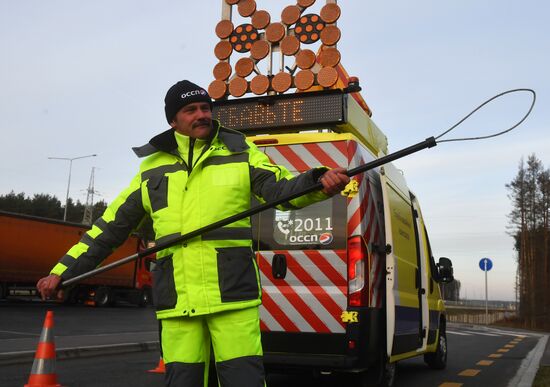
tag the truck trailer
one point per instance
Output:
(30, 246)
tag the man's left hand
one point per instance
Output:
(334, 180)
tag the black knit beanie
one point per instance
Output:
(181, 94)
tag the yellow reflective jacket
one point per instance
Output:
(215, 271)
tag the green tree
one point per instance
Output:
(13, 202)
(47, 206)
(451, 290)
(529, 192)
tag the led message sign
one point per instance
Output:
(281, 111)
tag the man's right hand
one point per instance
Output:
(47, 287)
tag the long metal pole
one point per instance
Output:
(428, 143)
(68, 188)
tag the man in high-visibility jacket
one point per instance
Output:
(206, 290)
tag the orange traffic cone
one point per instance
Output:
(43, 367)
(161, 369)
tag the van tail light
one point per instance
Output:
(358, 288)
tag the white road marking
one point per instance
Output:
(482, 333)
(515, 333)
(459, 333)
(20, 333)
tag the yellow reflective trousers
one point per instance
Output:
(235, 338)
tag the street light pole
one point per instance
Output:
(70, 159)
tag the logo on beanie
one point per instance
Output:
(192, 93)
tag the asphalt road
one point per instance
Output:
(477, 356)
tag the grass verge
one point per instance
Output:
(543, 377)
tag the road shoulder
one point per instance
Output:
(530, 365)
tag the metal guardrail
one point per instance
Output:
(475, 312)
(508, 305)
(480, 318)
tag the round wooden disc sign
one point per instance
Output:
(261, 37)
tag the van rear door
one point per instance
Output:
(403, 280)
(302, 260)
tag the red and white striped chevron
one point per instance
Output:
(365, 219)
(313, 294)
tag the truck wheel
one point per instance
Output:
(3, 290)
(438, 360)
(103, 296)
(145, 297)
(69, 296)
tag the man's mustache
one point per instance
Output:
(202, 122)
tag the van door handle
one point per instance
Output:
(278, 266)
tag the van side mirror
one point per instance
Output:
(445, 270)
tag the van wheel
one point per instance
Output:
(438, 360)
(388, 374)
(103, 296)
(381, 375)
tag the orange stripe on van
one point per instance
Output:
(355, 220)
(316, 289)
(297, 302)
(327, 269)
(278, 314)
(293, 158)
(320, 154)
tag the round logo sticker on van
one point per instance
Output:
(326, 238)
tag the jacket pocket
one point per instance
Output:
(237, 274)
(164, 288)
(157, 187)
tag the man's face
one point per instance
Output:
(194, 120)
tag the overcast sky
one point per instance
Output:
(78, 78)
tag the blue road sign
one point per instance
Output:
(485, 264)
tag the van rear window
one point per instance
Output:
(321, 226)
(308, 225)
(318, 227)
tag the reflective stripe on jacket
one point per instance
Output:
(215, 271)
